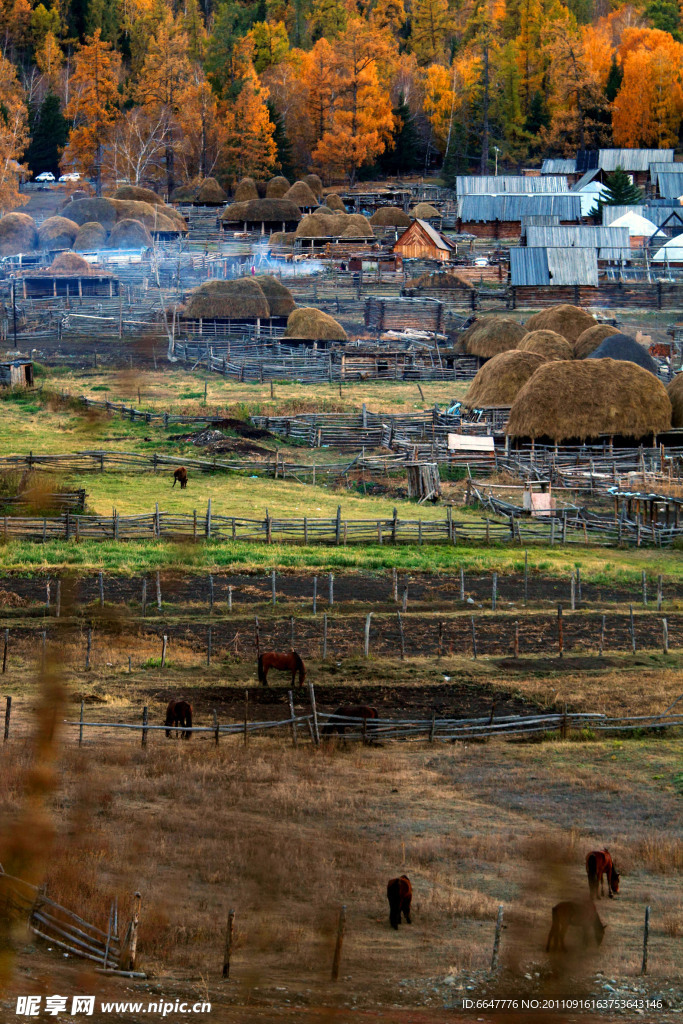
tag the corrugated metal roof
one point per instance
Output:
(558, 165)
(485, 209)
(552, 266)
(529, 267)
(657, 214)
(664, 167)
(612, 243)
(585, 179)
(670, 185)
(509, 184)
(632, 159)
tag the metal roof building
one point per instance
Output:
(508, 184)
(611, 243)
(651, 211)
(487, 208)
(670, 183)
(628, 159)
(559, 165)
(552, 266)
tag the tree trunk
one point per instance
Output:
(485, 109)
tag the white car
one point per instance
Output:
(71, 176)
(46, 176)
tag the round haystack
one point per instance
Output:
(320, 225)
(129, 234)
(277, 187)
(211, 194)
(443, 280)
(279, 298)
(235, 213)
(301, 194)
(390, 217)
(91, 235)
(314, 183)
(158, 219)
(589, 340)
(324, 210)
(334, 202)
(185, 193)
(265, 211)
(242, 299)
(244, 190)
(308, 324)
(500, 379)
(357, 226)
(547, 343)
(283, 238)
(425, 211)
(491, 335)
(83, 210)
(17, 234)
(580, 399)
(57, 233)
(138, 194)
(626, 348)
(569, 321)
(675, 393)
(70, 264)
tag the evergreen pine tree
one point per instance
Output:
(614, 80)
(49, 135)
(284, 147)
(618, 191)
(403, 153)
(539, 115)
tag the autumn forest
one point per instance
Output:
(146, 92)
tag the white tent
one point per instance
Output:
(589, 196)
(671, 251)
(638, 227)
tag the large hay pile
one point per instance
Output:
(242, 299)
(91, 235)
(491, 335)
(129, 234)
(582, 399)
(390, 216)
(357, 226)
(547, 343)
(185, 193)
(425, 211)
(84, 210)
(501, 377)
(211, 194)
(57, 233)
(626, 348)
(443, 280)
(138, 194)
(335, 202)
(156, 217)
(267, 211)
(279, 298)
(244, 190)
(569, 321)
(320, 225)
(235, 213)
(301, 194)
(675, 393)
(308, 324)
(17, 234)
(277, 187)
(589, 340)
(314, 183)
(70, 264)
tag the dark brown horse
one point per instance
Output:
(337, 722)
(180, 477)
(399, 894)
(578, 914)
(179, 714)
(289, 662)
(598, 864)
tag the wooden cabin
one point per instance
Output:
(18, 373)
(422, 241)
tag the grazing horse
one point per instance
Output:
(289, 662)
(598, 864)
(399, 894)
(337, 721)
(580, 914)
(180, 477)
(179, 713)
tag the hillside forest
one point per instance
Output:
(146, 92)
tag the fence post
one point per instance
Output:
(295, 739)
(646, 936)
(665, 635)
(229, 599)
(272, 584)
(366, 644)
(330, 592)
(315, 595)
(216, 727)
(145, 720)
(80, 726)
(474, 639)
(4, 651)
(632, 627)
(324, 636)
(560, 637)
(164, 642)
(338, 526)
(526, 577)
(101, 586)
(208, 519)
(402, 636)
(644, 583)
(257, 638)
(316, 730)
(578, 583)
(8, 714)
(404, 599)
(462, 584)
(228, 943)
(88, 648)
(572, 592)
(494, 590)
(341, 928)
(58, 602)
(496, 938)
(659, 593)
(394, 579)
(134, 931)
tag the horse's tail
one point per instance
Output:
(301, 668)
(261, 674)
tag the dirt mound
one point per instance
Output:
(8, 599)
(244, 429)
(214, 441)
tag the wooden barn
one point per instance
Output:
(422, 241)
(18, 373)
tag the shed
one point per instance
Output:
(612, 243)
(501, 216)
(421, 241)
(69, 276)
(18, 373)
(512, 184)
(264, 215)
(261, 301)
(597, 163)
(670, 184)
(552, 267)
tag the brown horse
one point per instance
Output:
(289, 662)
(180, 477)
(399, 894)
(598, 864)
(579, 914)
(337, 722)
(179, 713)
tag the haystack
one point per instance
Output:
(70, 264)
(314, 183)
(425, 211)
(129, 234)
(279, 298)
(283, 238)
(443, 280)
(158, 219)
(675, 393)
(357, 226)
(335, 202)
(235, 213)
(262, 211)
(277, 187)
(242, 299)
(589, 340)
(57, 233)
(580, 399)
(244, 190)
(17, 234)
(500, 379)
(324, 210)
(626, 348)
(211, 193)
(308, 324)
(301, 194)
(390, 217)
(84, 210)
(318, 225)
(185, 193)
(547, 343)
(569, 321)
(138, 194)
(491, 335)
(91, 235)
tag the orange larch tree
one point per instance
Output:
(648, 108)
(92, 106)
(13, 136)
(250, 148)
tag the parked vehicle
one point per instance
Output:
(46, 176)
(71, 176)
